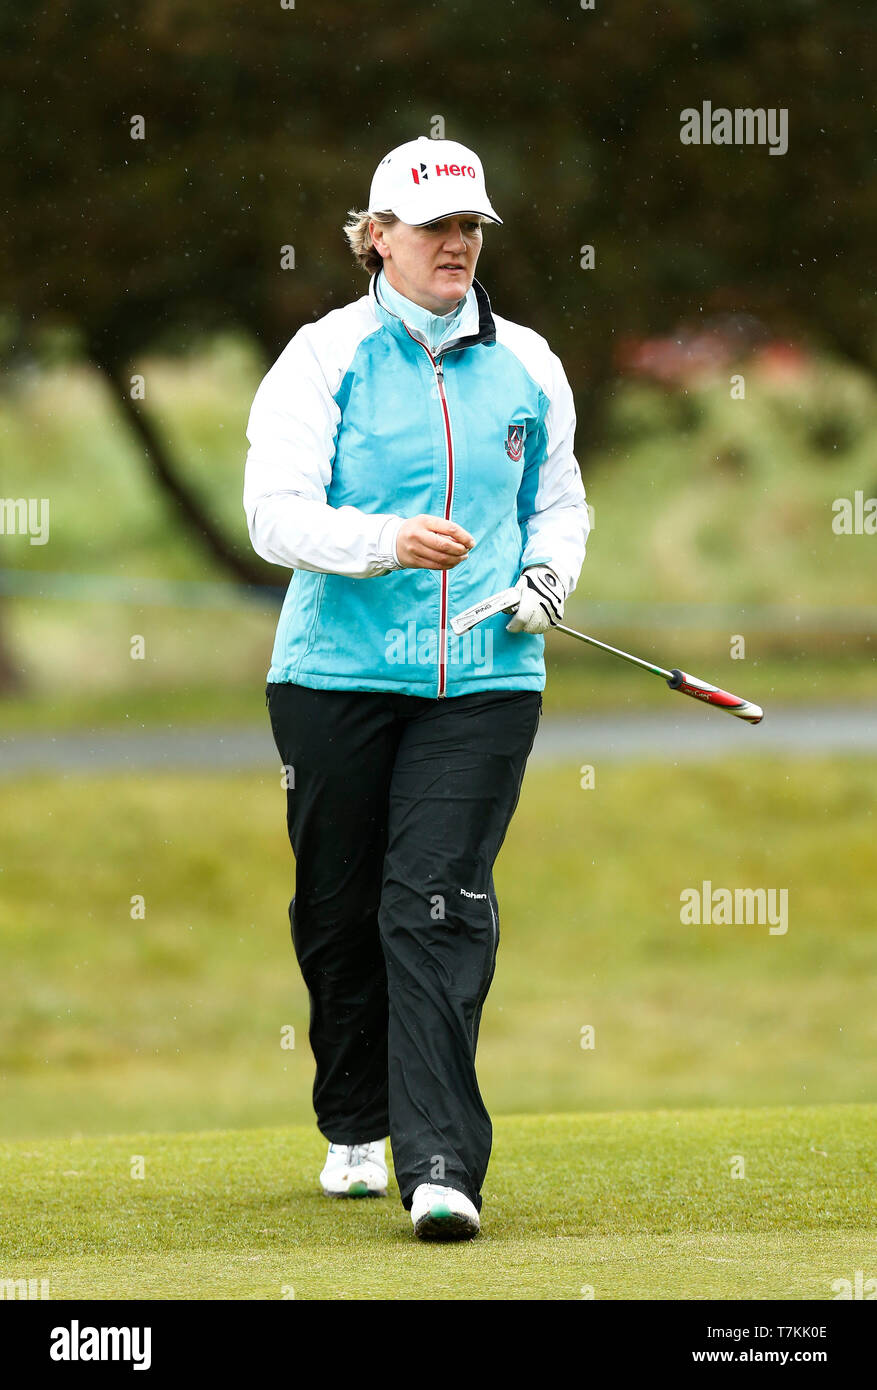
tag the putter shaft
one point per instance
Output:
(680, 680)
(614, 651)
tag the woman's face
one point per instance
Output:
(433, 265)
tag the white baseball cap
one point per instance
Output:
(425, 179)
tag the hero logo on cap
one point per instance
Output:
(426, 180)
(454, 170)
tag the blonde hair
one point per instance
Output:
(359, 237)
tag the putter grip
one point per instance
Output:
(712, 695)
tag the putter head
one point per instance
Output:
(506, 601)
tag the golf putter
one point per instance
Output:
(506, 601)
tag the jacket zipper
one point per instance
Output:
(449, 499)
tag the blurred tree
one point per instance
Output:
(262, 126)
(11, 679)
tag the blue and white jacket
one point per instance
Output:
(359, 426)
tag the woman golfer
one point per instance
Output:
(411, 453)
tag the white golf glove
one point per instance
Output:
(542, 599)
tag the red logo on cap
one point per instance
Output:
(454, 170)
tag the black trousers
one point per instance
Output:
(397, 807)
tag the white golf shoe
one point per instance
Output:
(443, 1213)
(355, 1170)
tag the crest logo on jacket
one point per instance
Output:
(514, 444)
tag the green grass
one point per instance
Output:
(609, 1206)
(112, 1023)
(60, 711)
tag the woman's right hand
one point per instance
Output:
(431, 543)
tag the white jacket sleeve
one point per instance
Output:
(291, 430)
(556, 532)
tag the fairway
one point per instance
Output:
(605, 1206)
(112, 1023)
